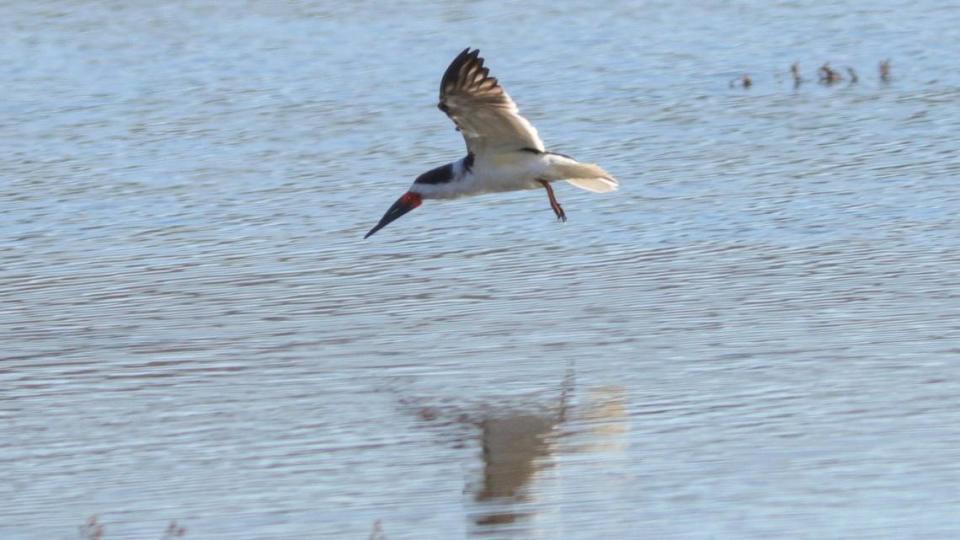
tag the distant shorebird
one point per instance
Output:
(828, 75)
(853, 75)
(884, 69)
(743, 81)
(504, 152)
(795, 71)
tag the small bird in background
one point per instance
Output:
(795, 71)
(885, 70)
(504, 151)
(743, 81)
(853, 75)
(828, 75)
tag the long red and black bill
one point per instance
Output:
(404, 204)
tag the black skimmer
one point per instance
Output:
(504, 152)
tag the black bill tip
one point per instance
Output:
(407, 202)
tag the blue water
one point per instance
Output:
(757, 337)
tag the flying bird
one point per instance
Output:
(504, 152)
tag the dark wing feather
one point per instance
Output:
(481, 109)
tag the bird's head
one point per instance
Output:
(407, 202)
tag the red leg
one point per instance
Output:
(557, 209)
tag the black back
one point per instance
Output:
(440, 175)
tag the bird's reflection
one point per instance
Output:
(512, 446)
(515, 445)
(519, 446)
(512, 493)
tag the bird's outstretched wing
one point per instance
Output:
(482, 110)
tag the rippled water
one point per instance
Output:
(757, 337)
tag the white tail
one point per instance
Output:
(588, 176)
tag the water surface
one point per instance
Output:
(757, 337)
